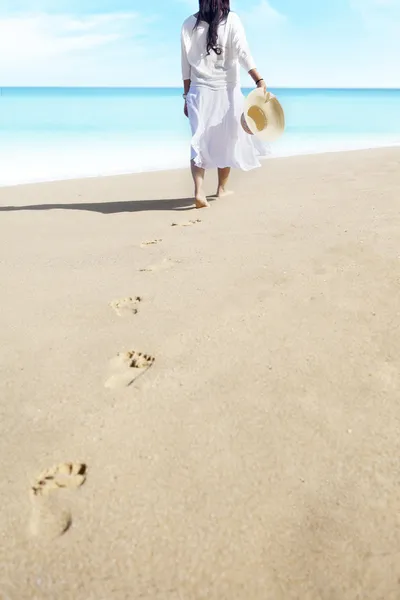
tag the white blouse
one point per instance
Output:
(215, 71)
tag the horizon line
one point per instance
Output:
(174, 87)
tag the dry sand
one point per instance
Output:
(258, 457)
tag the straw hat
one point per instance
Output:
(263, 116)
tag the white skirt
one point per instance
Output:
(219, 140)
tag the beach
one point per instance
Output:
(257, 457)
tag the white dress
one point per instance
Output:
(215, 101)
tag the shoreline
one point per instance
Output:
(182, 167)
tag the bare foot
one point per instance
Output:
(222, 193)
(201, 202)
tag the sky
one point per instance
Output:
(296, 43)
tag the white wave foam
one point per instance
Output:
(80, 158)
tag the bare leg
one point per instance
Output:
(223, 176)
(198, 178)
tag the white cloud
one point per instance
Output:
(263, 15)
(381, 15)
(25, 38)
(45, 49)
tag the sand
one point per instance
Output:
(257, 457)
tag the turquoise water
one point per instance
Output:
(52, 133)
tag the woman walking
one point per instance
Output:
(214, 47)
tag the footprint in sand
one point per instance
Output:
(50, 518)
(126, 367)
(162, 266)
(126, 306)
(150, 243)
(186, 223)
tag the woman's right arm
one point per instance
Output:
(244, 55)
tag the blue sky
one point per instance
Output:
(299, 43)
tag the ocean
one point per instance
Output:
(61, 133)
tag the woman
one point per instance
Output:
(214, 47)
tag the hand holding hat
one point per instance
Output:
(263, 115)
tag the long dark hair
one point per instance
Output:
(213, 12)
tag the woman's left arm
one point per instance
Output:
(244, 54)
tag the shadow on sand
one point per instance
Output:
(110, 208)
